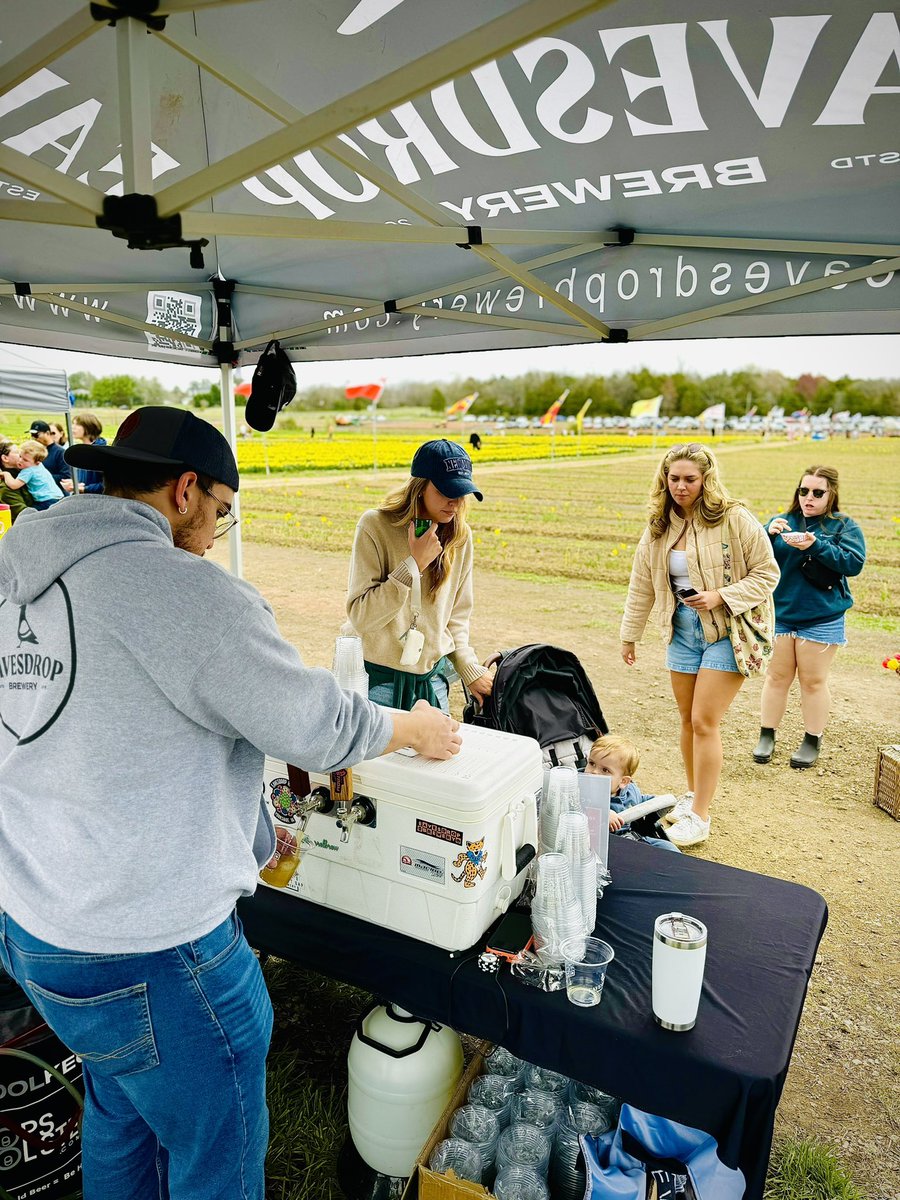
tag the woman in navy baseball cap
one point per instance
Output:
(410, 593)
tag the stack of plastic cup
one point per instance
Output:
(608, 1105)
(463, 1158)
(476, 1124)
(524, 1145)
(348, 666)
(542, 1079)
(556, 913)
(500, 1061)
(520, 1183)
(538, 1108)
(567, 1173)
(560, 796)
(494, 1092)
(573, 839)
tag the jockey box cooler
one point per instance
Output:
(446, 846)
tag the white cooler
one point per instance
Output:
(448, 848)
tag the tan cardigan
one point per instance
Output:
(379, 603)
(753, 569)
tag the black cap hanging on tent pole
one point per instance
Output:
(273, 386)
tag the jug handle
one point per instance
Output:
(427, 1027)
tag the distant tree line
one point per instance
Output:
(532, 394)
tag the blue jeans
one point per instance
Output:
(174, 1048)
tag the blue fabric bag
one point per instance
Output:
(619, 1162)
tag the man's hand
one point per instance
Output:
(428, 730)
(481, 688)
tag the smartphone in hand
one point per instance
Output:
(422, 525)
(686, 593)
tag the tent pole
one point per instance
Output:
(235, 544)
(72, 472)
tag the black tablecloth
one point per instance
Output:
(725, 1075)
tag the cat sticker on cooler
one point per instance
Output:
(473, 861)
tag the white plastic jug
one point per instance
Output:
(402, 1073)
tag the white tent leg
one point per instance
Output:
(235, 544)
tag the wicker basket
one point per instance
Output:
(887, 780)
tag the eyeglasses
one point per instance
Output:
(817, 492)
(225, 518)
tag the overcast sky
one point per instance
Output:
(857, 356)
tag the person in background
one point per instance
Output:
(619, 759)
(679, 567)
(404, 580)
(809, 620)
(34, 475)
(19, 498)
(117, 905)
(59, 433)
(55, 462)
(86, 428)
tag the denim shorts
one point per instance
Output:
(830, 633)
(689, 650)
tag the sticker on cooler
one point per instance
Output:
(426, 866)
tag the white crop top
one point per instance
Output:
(678, 569)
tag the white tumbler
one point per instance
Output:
(679, 956)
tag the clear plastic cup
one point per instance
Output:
(587, 960)
(573, 836)
(542, 1079)
(560, 795)
(583, 1092)
(501, 1061)
(477, 1124)
(463, 1158)
(537, 1108)
(494, 1092)
(520, 1183)
(347, 664)
(524, 1145)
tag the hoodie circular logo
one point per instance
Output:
(37, 663)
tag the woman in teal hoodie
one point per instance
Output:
(817, 547)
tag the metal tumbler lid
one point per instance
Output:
(680, 931)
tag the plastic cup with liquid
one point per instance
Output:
(587, 960)
(520, 1183)
(463, 1158)
(280, 868)
(524, 1145)
(477, 1124)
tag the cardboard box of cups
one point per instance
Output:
(533, 1151)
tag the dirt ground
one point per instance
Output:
(817, 827)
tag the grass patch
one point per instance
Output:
(808, 1170)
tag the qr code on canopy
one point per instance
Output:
(176, 312)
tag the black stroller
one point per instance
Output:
(543, 692)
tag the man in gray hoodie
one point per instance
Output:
(123, 853)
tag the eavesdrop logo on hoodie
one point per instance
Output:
(37, 663)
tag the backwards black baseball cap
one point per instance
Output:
(447, 466)
(165, 437)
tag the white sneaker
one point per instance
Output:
(683, 806)
(691, 830)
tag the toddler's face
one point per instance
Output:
(606, 764)
(25, 459)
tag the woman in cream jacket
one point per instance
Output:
(695, 534)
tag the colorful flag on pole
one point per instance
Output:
(579, 416)
(461, 407)
(552, 412)
(714, 415)
(646, 408)
(368, 391)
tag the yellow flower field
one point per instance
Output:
(348, 451)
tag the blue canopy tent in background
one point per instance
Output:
(185, 180)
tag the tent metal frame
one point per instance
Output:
(328, 129)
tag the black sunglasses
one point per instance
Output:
(817, 492)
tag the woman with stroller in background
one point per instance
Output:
(810, 602)
(410, 590)
(697, 534)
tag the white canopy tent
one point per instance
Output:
(369, 178)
